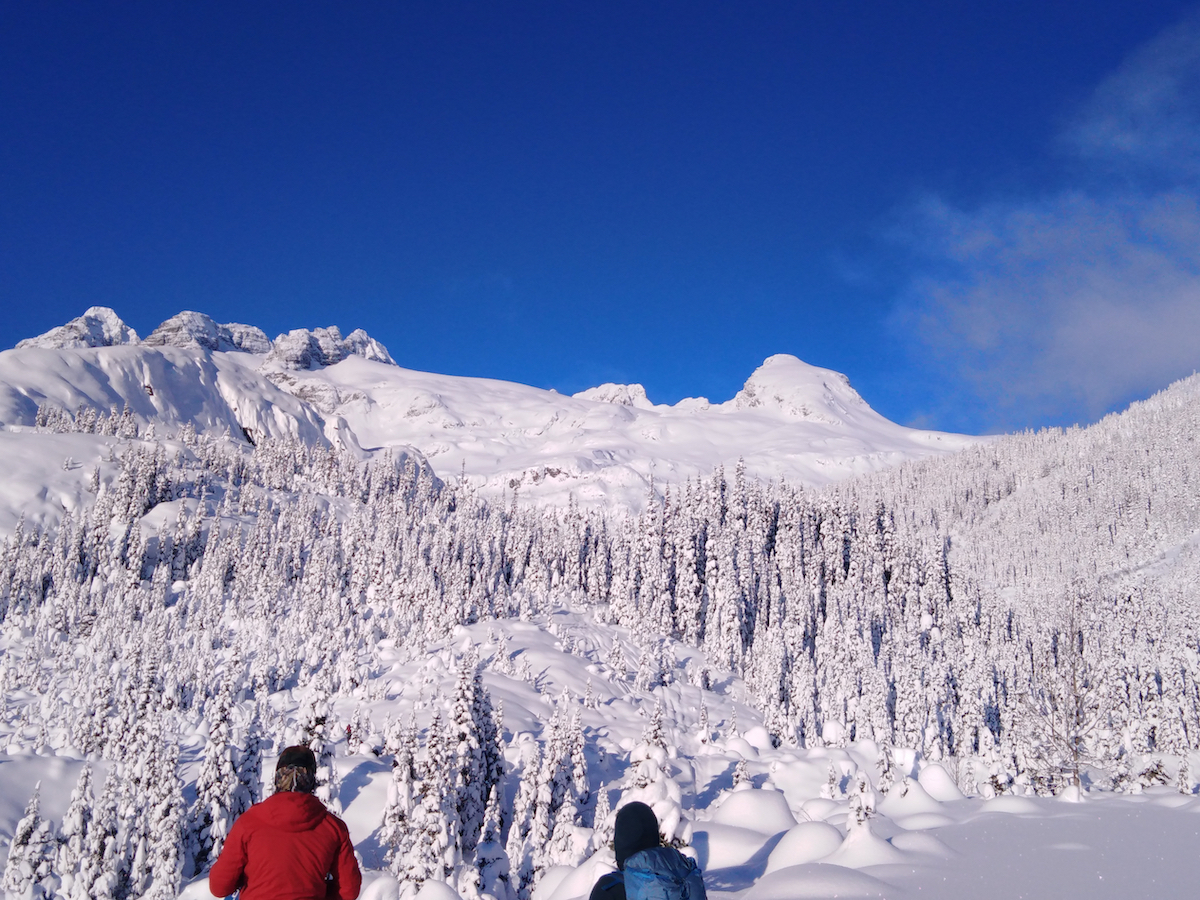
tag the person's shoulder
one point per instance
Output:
(609, 886)
(336, 821)
(660, 860)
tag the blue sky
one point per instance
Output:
(989, 218)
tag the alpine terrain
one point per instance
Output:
(836, 656)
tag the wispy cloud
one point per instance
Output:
(1060, 306)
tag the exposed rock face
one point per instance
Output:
(620, 394)
(359, 343)
(98, 327)
(196, 331)
(302, 349)
(247, 338)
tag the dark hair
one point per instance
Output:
(296, 770)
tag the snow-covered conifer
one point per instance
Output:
(31, 850)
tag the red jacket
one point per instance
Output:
(283, 848)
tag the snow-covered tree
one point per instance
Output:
(30, 852)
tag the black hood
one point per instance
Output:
(636, 830)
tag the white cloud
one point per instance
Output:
(1147, 114)
(1061, 306)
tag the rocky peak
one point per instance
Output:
(619, 394)
(302, 349)
(98, 327)
(196, 331)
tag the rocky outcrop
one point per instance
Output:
(619, 394)
(98, 327)
(196, 331)
(302, 349)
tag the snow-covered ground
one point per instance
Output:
(783, 833)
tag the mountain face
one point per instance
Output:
(98, 327)
(302, 349)
(609, 445)
(196, 331)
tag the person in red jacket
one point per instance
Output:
(289, 847)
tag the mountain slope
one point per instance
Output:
(606, 446)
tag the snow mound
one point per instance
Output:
(817, 880)
(741, 747)
(863, 847)
(922, 843)
(619, 394)
(909, 798)
(196, 331)
(806, 843)
(938, 784)
(1013, 806)
(437, 890)
(720, 846)
(302, 349)
(579, 882)
(385, 887)
(922, 821)
(98, 327)
(763, 811)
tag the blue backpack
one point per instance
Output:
(662, 873)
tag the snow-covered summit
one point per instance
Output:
(302, 349)
(196, 331)
(620, 394)
(791, 386)
(99, 326)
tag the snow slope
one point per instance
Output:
(604, 446)
(791, 421)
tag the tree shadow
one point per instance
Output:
(353, 783)
(738, 878)
(712, 790)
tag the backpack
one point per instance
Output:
(662, 873)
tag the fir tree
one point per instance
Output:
(31, 850)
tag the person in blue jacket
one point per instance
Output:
(647, 870)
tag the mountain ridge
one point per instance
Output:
(608, 445)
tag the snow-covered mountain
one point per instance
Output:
(886, 686)
(604, 446)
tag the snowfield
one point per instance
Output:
(607, 446)
(497, 613)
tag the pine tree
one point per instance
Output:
(469, 763)
(31, 850)
(491, 861)
(397, 833)
(211, 815)
(602, 830)
(75, 829)
(165, 819)
(519, 846)
(104, 862)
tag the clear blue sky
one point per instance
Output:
(982, 213)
